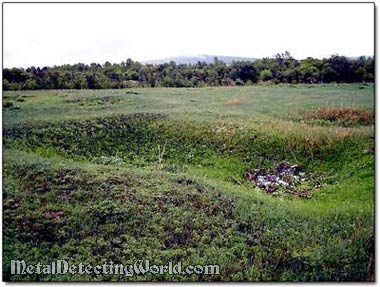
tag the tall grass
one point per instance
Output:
(342, 115)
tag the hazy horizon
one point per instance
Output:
(168, 58)
(47, 34)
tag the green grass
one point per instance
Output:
(86, 179)
(205, 104)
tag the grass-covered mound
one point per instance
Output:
(94, 213)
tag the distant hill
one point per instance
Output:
(199, 58)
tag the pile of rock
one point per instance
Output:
(284, 176)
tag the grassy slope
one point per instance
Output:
(119, 203)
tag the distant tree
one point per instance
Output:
(265, 75)
(342, 67)
(6, 85)
(310, 71)
(245, 71)
(30, 84)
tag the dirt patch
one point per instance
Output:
(236, 101)
(284, 178)
(342, 115)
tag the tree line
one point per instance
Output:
(282, 68)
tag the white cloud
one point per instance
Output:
(48, 34)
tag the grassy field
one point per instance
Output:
(161, 174)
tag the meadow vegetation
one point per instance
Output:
(161, 174)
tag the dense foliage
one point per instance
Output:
(283, 68)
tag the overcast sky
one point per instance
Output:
(54, 34)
